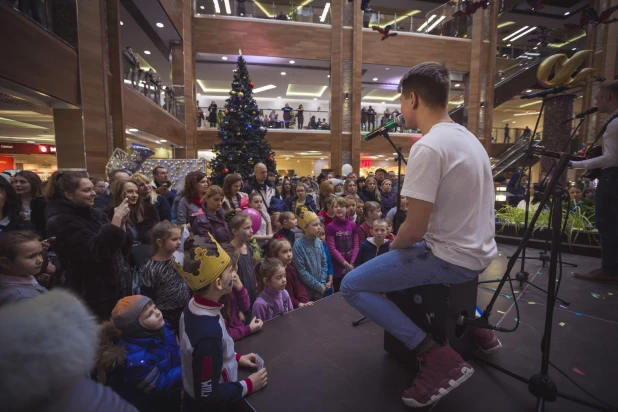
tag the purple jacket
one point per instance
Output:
(239, 302)
(272, 303)
(342, 241)
(206, 221)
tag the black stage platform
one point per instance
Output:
(317, 361)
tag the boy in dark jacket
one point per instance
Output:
(288, 224)
(374, 246)
(140, 356)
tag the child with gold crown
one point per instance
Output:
(209, 363)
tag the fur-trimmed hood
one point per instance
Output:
(47, 344)
(110, 355)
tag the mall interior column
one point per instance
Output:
(117, 75)
(93, 80)
(357, 83)
(556, 134)
(190, 150)
(474, 78)
(594, 42)
(70, 145)
(336, 82)
(492, 23)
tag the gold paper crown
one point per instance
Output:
(305, 216)
(204, 268)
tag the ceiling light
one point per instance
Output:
(427, 22)
(146, 52)
(457, 85)
(278, 97)
(523, 34)
(292, 62)
(163, 140)
(315, 98)
(283, 73)
(574, 48)
(325, 12)
(321, 158)
(158, 142)
(217, 8)
(202, 7)
(383, 102)
(224, 58)
(121, 23)
(386, 68)
(508, 45)
(535, 48)
(328, 75)
(515, 33)
(375, 79)
(29, 141)
(133, 130)
(228, 10)
(513, 121)
(264, 88)
(566, 13)
(529, 91)
(433, 26)
(160, 25)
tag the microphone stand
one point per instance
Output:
(399, 159)
(540, 385)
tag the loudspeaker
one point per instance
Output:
(435, 309)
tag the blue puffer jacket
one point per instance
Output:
(151, 365)
(140, 370)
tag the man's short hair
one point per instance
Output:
(112, 174)
(612, 88)
(430, 81)
(283, 216)
(155, 171)
(380, 170)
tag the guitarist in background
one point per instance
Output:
(606, 201)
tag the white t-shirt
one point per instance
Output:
(450, 168)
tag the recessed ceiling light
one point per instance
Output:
(199, 94)
(202, 7)
(146, 52)
(133, 130)
(121, 23)
(528, 91)
(457, 85)
(386, 68)
(263, 88)
(278, 97)
(566, 13)
(292, 62)
(328, 75)
(375, 79)
(160, 25)
(383, 102)
(321, 158)
(508, 45)
(535, 48)
(156, 141)
(574, 48)
(163, 140)
(224, 58)
(29, 141)
(315, 98)
(513, 121)
(283, 73)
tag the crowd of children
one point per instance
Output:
(195, 296)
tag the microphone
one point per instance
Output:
(588, 112)
(544, 93)
(390, 125)
(479, 323)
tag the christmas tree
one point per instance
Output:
(241, 133)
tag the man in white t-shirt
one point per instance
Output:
(447, 237)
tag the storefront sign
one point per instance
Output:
(7, 163)
(365, 164)
(27, 148)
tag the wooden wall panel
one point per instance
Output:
(262, 37)
(146, 116)
(177, 64)
(381, 145)
(409, 49)
(278, 140)
(357, 78)
(189, 81)
(173, 8)
(336, 86)
(36, 59)
(69, 131)
(94, 93)
(116, 75)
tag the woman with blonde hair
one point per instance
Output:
(150, 196)
(142, 215)
(232, 195)
(350, 189)
(327, 188)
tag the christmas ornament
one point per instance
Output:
(270, 158)
(241, 94)
(251, 84)
(224, 171)
(249, 127)
(232, 92)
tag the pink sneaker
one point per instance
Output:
(440, 371)
(486, 340)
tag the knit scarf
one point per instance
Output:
(198, 201)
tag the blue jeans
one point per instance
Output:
(398, 269)
(606, 218)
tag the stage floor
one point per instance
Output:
(317, 361)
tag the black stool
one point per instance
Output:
(435, 309)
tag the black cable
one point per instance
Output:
(582, 389)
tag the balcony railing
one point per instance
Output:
(263, 10)
(416, 23)
(57, 17)
(148, 84)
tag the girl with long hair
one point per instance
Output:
(210, 219)
(231, 191)
(150, 196)
(196, 184)
(29, 188)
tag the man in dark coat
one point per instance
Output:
(260, 183)
(162, 185)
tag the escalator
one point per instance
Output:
(514, 158)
